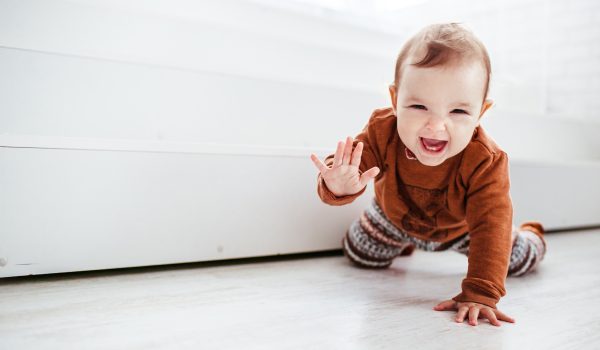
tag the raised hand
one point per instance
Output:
(344, 178)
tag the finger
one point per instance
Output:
(503, 317)
(473, 315)
(339, 154)
(368, 175)
(489, 314)
(445, 305)
(347, 151)
(357, 154)
(462, 312)
(322, 167)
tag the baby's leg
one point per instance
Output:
(369, 245)
(528, 248)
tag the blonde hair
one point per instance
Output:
(444, 43)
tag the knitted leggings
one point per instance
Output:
(373, 241)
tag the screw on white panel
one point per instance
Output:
(3, 262)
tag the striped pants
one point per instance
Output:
(372, 241)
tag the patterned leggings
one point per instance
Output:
(373, 241)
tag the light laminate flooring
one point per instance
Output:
(318, 302)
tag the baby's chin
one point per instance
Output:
(435, 161)
(431, 162)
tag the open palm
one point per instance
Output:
(343, 177)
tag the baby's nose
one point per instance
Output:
(436, 123)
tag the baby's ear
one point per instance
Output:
(487, 104)
(393, 96)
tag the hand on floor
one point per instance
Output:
(474, 311)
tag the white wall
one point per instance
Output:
(89, 69)
(177, 70)
(152, 132)
(172, 132)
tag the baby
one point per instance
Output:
(440, 181)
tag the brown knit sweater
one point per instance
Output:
(468, 193)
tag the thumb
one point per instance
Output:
(368, 175)
(445, 305)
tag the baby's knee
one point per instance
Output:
(528, 249)
(361, 256)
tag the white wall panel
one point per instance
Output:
(47, 94)
(559, 194)
(95, 31)
(74, 210)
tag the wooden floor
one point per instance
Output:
(308, 303)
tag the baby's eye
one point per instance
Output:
(418, 107)
(459, 111)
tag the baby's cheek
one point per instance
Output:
(408, 126)
(406, 134)
(461, 138)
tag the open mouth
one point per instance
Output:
(433, 145)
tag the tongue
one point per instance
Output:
(433, 143)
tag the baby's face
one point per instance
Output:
(438, 108)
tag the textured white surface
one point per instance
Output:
(76, 210)
(316, 303)
(62, 210)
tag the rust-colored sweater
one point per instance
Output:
(468, 193)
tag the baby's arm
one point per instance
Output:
(489, 216)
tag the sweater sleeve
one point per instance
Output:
(370, 158)
(489, 217)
